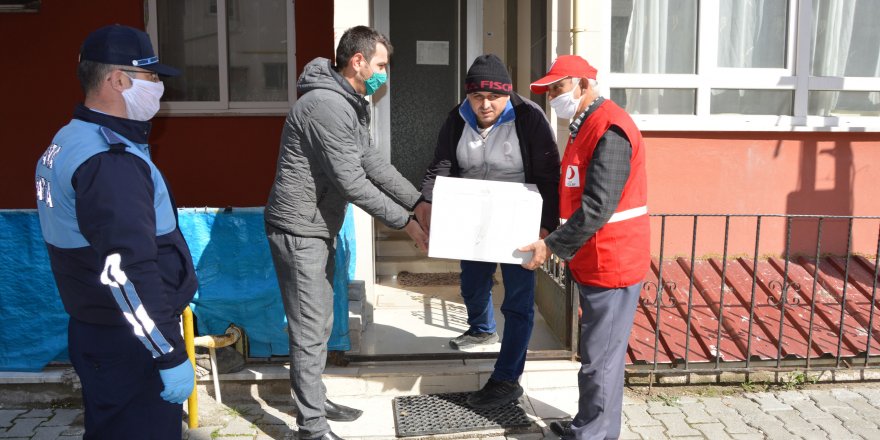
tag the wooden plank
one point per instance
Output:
(698, 350)
(736, 307)
(642, 339)
(706, 310)
(765, 327)
(861, 274)
(869, 268)
(857, 310)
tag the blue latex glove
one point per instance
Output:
(179, 382)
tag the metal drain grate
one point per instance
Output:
(448, 412)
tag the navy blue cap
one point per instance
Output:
(123, 45)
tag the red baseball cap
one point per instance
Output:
(563, 67)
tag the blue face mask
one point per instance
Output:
(374, 82)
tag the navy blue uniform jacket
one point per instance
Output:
(110, 226)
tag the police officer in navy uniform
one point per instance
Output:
(122, 267)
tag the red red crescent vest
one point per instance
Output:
(619, 254)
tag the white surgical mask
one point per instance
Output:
(565, 104)
(142, 99)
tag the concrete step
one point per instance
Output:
(396, 252)
(385, 233)
(271, 381)
(395, 247)
(394, 265)
(393, 379)
(356, 325)
(360, 314)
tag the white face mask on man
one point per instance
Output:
(142, 99)
(566, 104)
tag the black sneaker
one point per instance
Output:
(469, 340)
(496, 393)
(562, 428)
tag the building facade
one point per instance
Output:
(748, 107)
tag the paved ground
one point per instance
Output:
(837, 412)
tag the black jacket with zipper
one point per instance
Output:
(537, 145)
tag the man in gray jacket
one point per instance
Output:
(327, 160)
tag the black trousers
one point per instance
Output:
(120, 385)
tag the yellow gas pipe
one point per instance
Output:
(189, 340)
(211, 342)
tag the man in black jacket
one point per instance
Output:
(498, 135)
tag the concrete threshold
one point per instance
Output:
(270, 381)
(392, 379)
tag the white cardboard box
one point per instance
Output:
(484, 220)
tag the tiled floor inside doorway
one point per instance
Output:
(422, 319)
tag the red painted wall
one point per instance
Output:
(764, 173)
(230, 161)
(208, 161)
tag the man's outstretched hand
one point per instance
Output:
(422, 212)
(418, 235)
(538, 257)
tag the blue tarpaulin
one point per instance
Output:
(33, 323)
(344, 273)
(237, 284)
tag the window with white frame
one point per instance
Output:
(746, 64)
(234, 55)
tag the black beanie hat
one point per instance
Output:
(488, 74)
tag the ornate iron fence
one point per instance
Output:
(785, 304)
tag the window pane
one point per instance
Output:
(752, 33)
(830, 103)
(650, 36)
(188, 41)
(20, 6)
(751, 102)
(257, 34)
(845, 38)
(656, 101)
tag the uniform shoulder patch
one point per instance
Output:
(116, 143)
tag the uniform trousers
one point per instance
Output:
(120, 385)
(605, 327)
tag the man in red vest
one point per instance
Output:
(605, 237)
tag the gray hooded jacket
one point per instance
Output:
(327, 158)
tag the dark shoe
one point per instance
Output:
(561, 427)
(469, 340)
(496, 393)
(328, 436)
(340, 413)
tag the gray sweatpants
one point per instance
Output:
(304, 266)
(605, 329)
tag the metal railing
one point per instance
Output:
(766, 290)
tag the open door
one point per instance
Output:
(417, 308)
